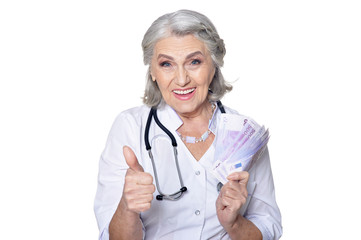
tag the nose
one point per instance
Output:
(182, 78)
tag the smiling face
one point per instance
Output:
(183, 70)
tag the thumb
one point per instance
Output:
(131, 159)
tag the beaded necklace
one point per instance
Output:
(204, 136)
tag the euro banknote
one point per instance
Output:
(239, 143)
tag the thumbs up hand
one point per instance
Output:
(138, 187)
(131, 159)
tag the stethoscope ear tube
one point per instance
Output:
(170, 135)
(147, 126)
(161, 196)
(220, 106)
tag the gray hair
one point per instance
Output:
(181, 23)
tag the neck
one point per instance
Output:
(201, 113)
(196, 123)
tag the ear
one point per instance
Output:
(215, 70)
(152, 76)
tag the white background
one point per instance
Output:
(67, 68)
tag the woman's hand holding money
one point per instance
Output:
(232, 197)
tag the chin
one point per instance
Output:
(186, 107)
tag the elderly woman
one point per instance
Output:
(154, 174)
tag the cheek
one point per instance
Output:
(205, 77)
(163, 82)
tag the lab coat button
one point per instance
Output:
(198, 172)
(197, 212)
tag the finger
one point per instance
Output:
(144, 207)
(235, 188)
(224, 200)
(136, 198)
(219, 204)
(139, 207)
(138, 202)
(230, 199)
(137, 189)
(241, 177)
(232, 204)
(235, 194)
(145, 198)
(141, 178)
(236, 185)
(131, 159)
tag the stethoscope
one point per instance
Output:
(177, 195)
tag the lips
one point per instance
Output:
(184, 94)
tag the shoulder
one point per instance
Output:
(131, 118)
(231, 111)
(235, 112)
(133, 114)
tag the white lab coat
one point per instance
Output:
(194, 215)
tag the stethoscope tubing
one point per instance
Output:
(153, 114)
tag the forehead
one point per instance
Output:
(178, 46)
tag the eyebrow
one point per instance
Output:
(187, 57)
(194, 54)
(165, 56)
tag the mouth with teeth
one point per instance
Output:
(184, 94)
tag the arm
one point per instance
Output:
(262, 214)
(262, 209)
(125, 224)
(232, 197)
(112, 178)
(137, 196)
(244, 229)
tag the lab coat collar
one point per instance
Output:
(171, 120)
(168, 117)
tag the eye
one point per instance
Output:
(195, 62)
(165, 64)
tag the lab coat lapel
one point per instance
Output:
(169, 118)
